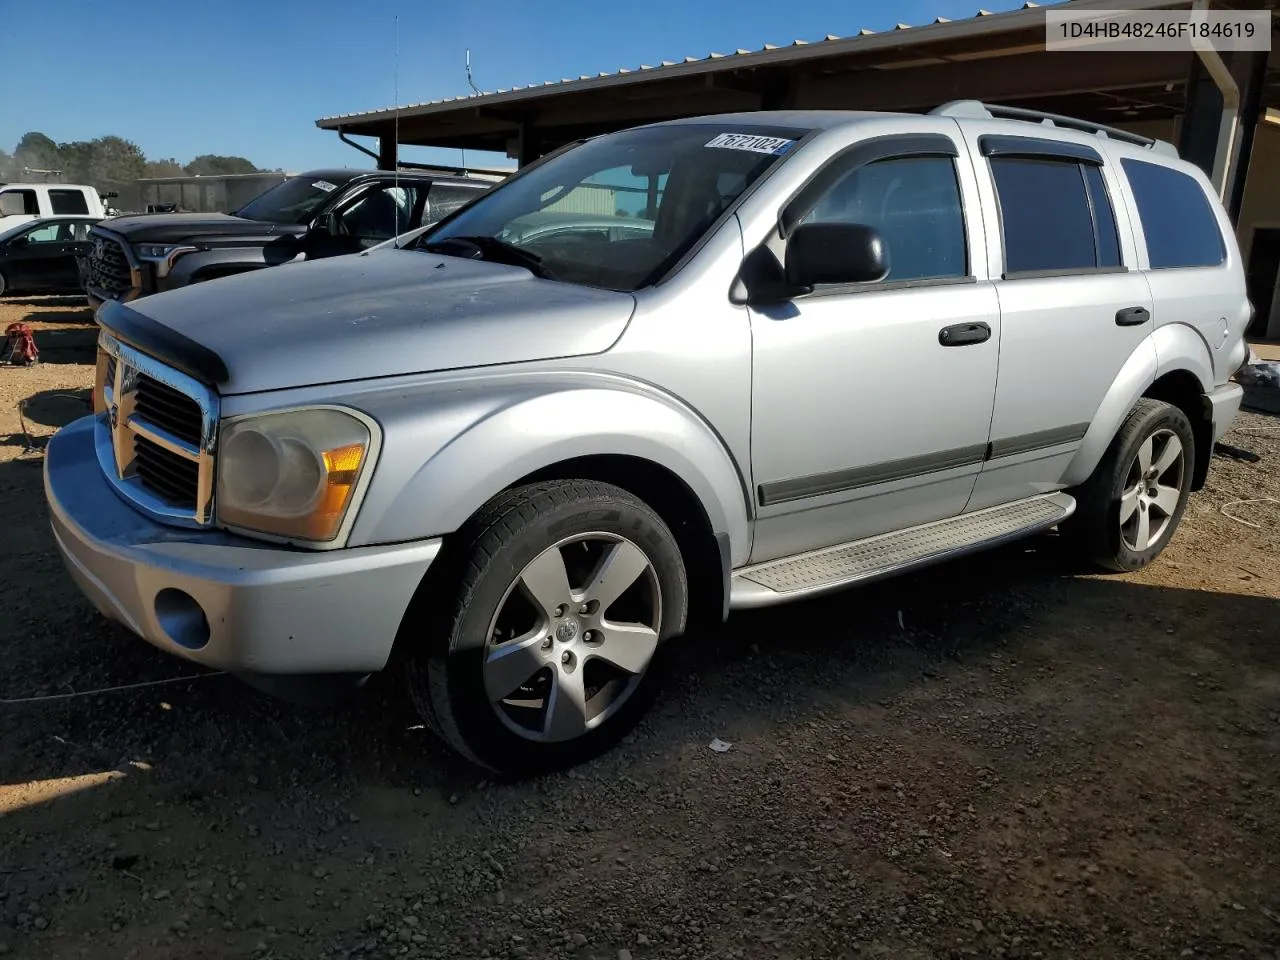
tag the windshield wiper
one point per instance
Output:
(491, 248)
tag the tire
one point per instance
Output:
(1118, 524)
(479, 633)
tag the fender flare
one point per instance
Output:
(502, 440)
(1171, 348)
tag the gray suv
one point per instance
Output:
(516, 466)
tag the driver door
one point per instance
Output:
(379, 212)
(866, 417)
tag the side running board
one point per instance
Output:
(833, 568)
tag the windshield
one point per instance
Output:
(619, 210)
(294, 201)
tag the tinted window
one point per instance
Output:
(297, 200)
(1104, 217)
(445, 198)
(68, 202)
(915, 204)
(1176, 216)
(1044, 213)
(383, 212)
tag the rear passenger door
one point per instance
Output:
(1073, 303)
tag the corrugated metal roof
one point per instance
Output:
(739, 54)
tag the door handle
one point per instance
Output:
(959, 334)
(1132, 316)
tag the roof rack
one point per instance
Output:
(976, 110)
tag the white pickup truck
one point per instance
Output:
(20, 202)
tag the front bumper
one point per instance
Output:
(227, 602)
(1224, 404)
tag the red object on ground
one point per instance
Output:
(22, 344)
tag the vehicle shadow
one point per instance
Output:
(53, 300)
(763, 668)
(79, 317)
(75, 345)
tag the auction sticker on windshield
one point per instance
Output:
(752, 142)
(324, 185)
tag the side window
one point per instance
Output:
(1055, 215)
(382, 212)
(914, 202)
(18, 203)
(80, 231)
(48, 233)
(68, 202)
(1177, 219)
(445, 198)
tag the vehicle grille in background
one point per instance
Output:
(169, 409)
(109, 271)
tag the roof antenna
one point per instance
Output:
(471, 82)
(395, 70)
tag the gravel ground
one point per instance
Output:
(1000, 757)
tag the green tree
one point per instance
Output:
(164, 168)
(212, 165)
(36, 151)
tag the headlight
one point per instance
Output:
(293, 474)
(162, 255)
(154, 251)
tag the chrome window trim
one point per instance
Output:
(118, 425)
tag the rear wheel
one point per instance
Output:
(540, 643)
(1128, 510)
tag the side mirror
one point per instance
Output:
(835, 253)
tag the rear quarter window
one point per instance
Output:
(68, 202)
(1177, 218)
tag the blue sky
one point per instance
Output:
(251, 78)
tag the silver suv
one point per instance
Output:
(515, 465)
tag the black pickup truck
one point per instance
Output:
(321, 213)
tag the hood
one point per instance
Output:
(179, 227)
(356, 317)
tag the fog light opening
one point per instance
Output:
(181, 618)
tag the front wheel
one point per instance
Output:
(1128, 510)
(540, 643)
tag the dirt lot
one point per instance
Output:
(1001, 757)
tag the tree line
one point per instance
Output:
(104, 163)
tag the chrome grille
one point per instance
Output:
(163, 406)
(172, 477)
(155, 434)
(107, 267)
